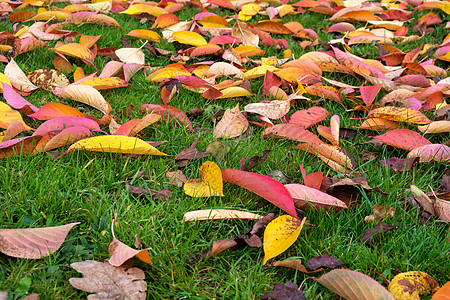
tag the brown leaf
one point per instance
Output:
(261, 224)
(253, 161)
(323, 261)
(176, 178)
(401, 164)
(379, 213)
(233, 124)
(109, 282)
(243, 32)
(220, 246)
(374, 234)
(188, 154)
(48, 79)
(295, 264)
(163, 195)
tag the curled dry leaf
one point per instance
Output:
(264, 186)
(285, 291)
(218, 214)
(353, 285)
(115, 144)
(33, 242)
(105, 281)
(273, 110)
(131, 55)
(323, 261)
(243, 32)
(412, 285)
(119, 253)
(280, 234)
(18, 78)
(209, 184)
(232, 124)
(306, 198)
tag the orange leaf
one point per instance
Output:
(77, 50)
(403, 139)
(272, 27)
(399, 114)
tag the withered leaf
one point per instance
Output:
(379, 213)
(105, 281)
(295, 264)
(253, 161)
(323, 261)
(288, 291)
(220, 246)
(48, 79)
(401, 164)
(138, 192)
(176, 178)
(188, 154)
(374, 234)
(261, 224)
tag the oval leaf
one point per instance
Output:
(353, 285)
(437, 152)
(403, 139)
(280, 234)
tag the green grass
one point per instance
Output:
(90, 188)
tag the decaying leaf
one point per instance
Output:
(379, 213)
(411, 285)
(176, 177)
(285, 291)
(48, 79)
(233, 124)
(323, 261)
(188, 154)
(104, 281)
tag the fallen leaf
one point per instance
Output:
(19, 146)
(119, 253)
(264, 186)
(233, 124)
(17, 101)
(287, 291)
(33, 243)
(131, 56)
(280, 234)
(115, 144)
(437, 152)
(104, 280)
(189, 38)
(85, 94)
(335, 158)
(219, 214)
(253, 161)
(376, 233)
(168, 113)
(323, 261)
(209, 184)
(292, 132)
(276, 109)
(353, 285)
(18, 78)
(163, 195)
(295, 264)
(55, 110)
(8, 115)
(48, 79)
(443, 293)
(77, 50)
(435, 127)
(307, 198)
(401, 164)
(399, 114)
(410, 285)
(403, 139)
(379, 213)
(309, 117)
(176, 178)
(188, 154)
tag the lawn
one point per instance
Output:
(53, 188)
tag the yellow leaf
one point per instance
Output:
(7, 115)
(77, 50)
(280, 234)
(259, 71)
(399, 114)
(409, 285)
(53, 15)
(115, 144)
(145, 34)
(141, 8)
(445, 6)
(168, 72)
(189, 38)
(436, 127)
(234, 91)
(209, 184)
(250, 9)
(3, 79)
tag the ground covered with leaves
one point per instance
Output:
(225, 149)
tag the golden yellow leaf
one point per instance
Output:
(47, 15)
(259, 71)
(145, 34)
(280, 234)
(189, 38)
(234, 91)
(399, 114)
(7, 115)
(435, 127)
(209, 184)
(115, 144)
(77, 50)
(141, 8)
(409, 285)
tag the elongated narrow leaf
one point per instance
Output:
(17, 101)
(335, 158)
(264, 186)
(33, 242)
(291, 131)
(306, 197)
(55, 110)
(77, 50)
(65, 122)
(280, 234)
(19, 146)
(353, 285)
(115, 144)
(219, 214)
(399, 114)
(168, 113)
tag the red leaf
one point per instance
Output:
(168, 113)
(403, 139)
(291, 131)
(270, 80)
(368, 93)
(264, 186)
(309, 117)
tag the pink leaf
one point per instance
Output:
(68, 136)
(431, 152)
(17, 101)
(54, 110)
(309, 117)
(291, 131)
(264, 186)
(120, 253)
(403, 139)
(65, 122)
(306, 197)
(353, 285)
(33, 242)
(168, 113)
(368, 93)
